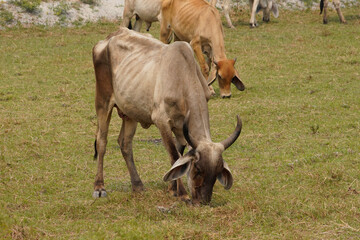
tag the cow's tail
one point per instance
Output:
(96, 152)
(321, 6)
(258, 8)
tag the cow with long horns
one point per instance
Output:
(149, 82)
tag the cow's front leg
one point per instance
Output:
(138, 24)
(127, 15)
(175, 187)
(125, 142)
(196, 46)
(253, 7)
(338, 10)
(165, 31)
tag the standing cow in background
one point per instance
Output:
(324, 5)
(266, 6)
(144, 10)
(149, 82)
(199, 23)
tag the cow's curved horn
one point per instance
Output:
(191, 141)
(230, 140)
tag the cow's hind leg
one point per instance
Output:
(338, 10)
(104, 115)
(227, 7)
(125, 142)
(325, 20)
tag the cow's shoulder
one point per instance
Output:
(183, 51)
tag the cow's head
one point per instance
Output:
(203, 165)
(226, 74)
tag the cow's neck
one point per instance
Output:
(199, 126)
(218, 48)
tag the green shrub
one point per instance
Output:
(90, 2)
(5, 16)
(28, 5)
(61, 9)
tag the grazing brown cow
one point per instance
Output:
(324, 5)
(149, 82)
(199, 23)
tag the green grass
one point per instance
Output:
(295, 166)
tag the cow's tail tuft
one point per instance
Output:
(96, 153)
(130, 26)
(258, 8)
(321, 6)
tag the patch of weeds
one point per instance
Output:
(309, 3)
(90, 2)
(79, 22)
(75, 5)
(6, 17)
(30, 6)
(4, 97)
(314, 128)
(325, 33)
(61, 9)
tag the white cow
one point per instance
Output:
(255, 6)
(266, 6)
(144, 10)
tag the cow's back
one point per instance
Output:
(190, 18)
(144, 73)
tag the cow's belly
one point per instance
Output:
(148, 10)
(134, 91)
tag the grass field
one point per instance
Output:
(296, 164)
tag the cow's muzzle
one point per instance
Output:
(226, 96)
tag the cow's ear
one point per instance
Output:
(225, 177)
(212, 76)
(180, 167)
(237, 82)
(275, 10)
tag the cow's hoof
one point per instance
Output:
(139, 187)
(266, 20)
(99, 193)
(253, 25)
(185, 198)
(325, 21)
